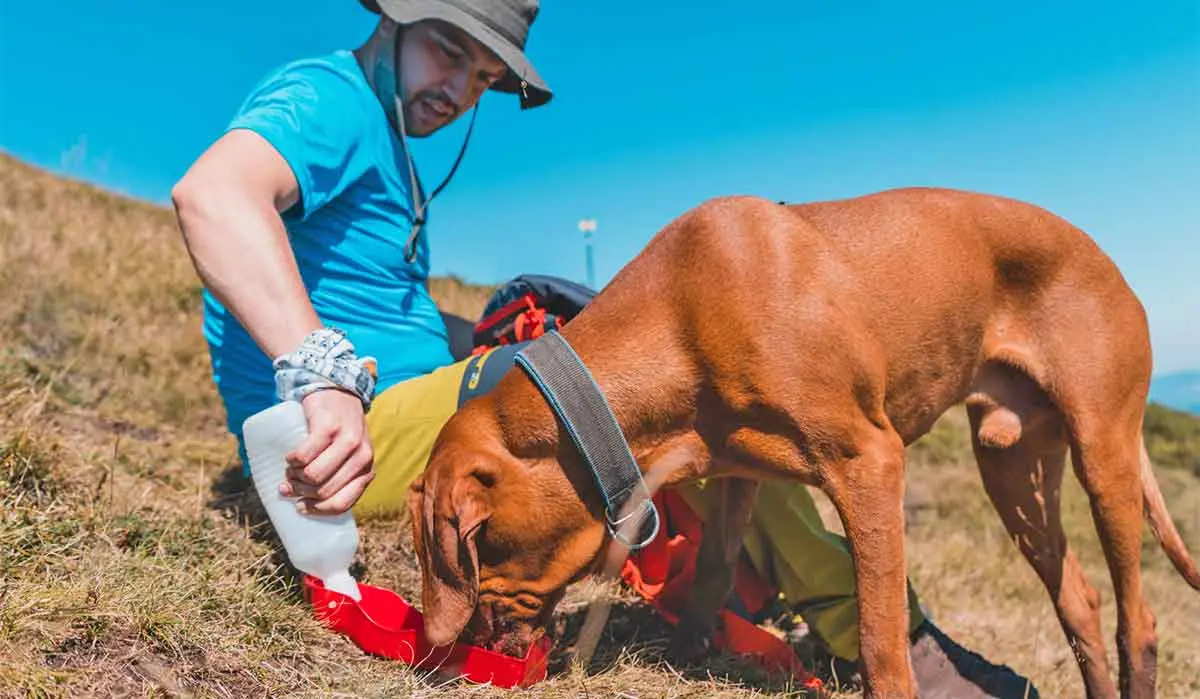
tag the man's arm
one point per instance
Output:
(228, 205)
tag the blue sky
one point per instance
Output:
(1091, 109)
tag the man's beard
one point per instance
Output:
(423, 110)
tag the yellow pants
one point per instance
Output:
(789, 545)
(403, 423)
(786, 541)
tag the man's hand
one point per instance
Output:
(330, 470)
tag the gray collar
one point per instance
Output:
(584, 413)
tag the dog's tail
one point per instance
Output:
(1162, 526)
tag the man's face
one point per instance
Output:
(444, 72)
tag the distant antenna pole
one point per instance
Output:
(587, 226)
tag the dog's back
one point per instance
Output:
(940, 275)
(915, 288)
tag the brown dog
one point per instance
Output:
(751, 340)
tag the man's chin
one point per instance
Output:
(416, 127)
(417, 132)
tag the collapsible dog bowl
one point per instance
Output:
(385, 625)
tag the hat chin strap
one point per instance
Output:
(390, 90)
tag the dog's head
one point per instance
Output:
(499, 539)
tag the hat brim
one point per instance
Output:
(522, 79)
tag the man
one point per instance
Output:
(307, 215)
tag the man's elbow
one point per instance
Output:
(187, 199)
(200, 202)
(202, 211)
(181, 191)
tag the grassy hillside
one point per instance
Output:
(133, 562)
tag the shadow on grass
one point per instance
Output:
(635, 632)
(234, 496)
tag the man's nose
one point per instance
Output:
(463, 91)
(455, 90)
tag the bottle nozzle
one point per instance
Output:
(344, 583)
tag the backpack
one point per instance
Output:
(526, 307)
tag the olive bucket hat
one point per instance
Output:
(500, 25)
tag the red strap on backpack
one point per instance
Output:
(662, 573)
(530, 324)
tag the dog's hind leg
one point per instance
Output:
(1100, 390)
(730, 505)
(1020, 443)
(1107, 459)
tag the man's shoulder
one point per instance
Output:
(331, 77)
(336, 67)
(322, 117)
(323, 97)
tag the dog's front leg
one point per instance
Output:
(868, 492)
(724, 527)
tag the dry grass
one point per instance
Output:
(134, 563)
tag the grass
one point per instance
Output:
(1173, 438)
(133, 561)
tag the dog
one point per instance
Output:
(754, 340)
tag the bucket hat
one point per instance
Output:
(501, 25)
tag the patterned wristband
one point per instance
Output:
(325, 360)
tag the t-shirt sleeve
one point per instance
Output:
(315, 118)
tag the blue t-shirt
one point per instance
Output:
(348, 232)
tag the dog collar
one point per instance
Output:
(580, 405)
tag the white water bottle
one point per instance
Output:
(321, 545)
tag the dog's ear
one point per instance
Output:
(415, 502)
(453, 514)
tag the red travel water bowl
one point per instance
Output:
(383, 624)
